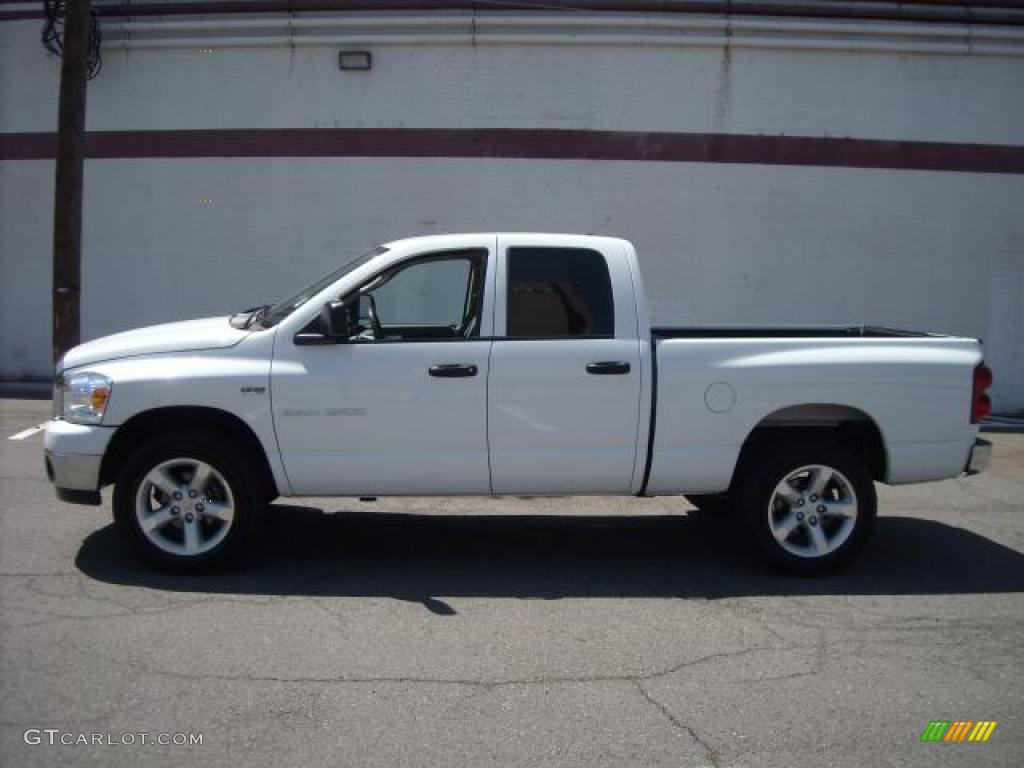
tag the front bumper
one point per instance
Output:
(73, 456)
(76, 478)
(979, 458)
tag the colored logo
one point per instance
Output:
(958, 730)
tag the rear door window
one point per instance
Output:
(558, 293)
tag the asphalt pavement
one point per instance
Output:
(512, 632)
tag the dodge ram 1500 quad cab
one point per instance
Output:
(520, 364)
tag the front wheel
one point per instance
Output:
(809, 505)
(187, 501)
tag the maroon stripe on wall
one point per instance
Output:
(525, 143)
(28, 146)
(966, 11)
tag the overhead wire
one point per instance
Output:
(53, 34)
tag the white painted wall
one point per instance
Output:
(937, 251)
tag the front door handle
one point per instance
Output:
(452, 370)
(608, 368)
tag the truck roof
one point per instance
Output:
(552, 238)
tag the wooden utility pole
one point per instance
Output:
(67, 209)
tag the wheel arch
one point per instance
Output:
(140, 427)
(847, 425)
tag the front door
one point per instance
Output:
(402, 408)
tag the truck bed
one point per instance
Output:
(714, 385)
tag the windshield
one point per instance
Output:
(281, 310)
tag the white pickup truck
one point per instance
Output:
(521, 364)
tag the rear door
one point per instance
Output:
(564, 386)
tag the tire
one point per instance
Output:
(208, 521)
(809, 505)
(715, 504)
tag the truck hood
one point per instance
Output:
(207, 333)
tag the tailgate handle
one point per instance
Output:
(607, 368)
(452, 370)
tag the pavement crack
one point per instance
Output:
(412, 679)
(710, 753)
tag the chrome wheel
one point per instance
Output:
(184, 506)
(813, 511)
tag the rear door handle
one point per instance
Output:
(607, 368)
(452, 370)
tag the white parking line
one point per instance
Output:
(27, 432)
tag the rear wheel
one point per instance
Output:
(187, 501)
(809, 505)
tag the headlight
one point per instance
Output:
(85, 397)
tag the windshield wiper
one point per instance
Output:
(256, 315)
(247, 317)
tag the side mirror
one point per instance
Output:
(334, 325)
(334, 320)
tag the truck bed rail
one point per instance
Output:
(784, 332)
